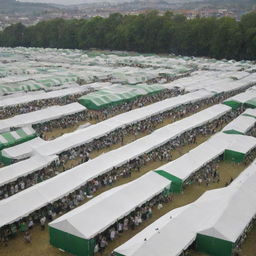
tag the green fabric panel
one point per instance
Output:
(251, 103)
(118, 254)
(233, 156)
(8, 137)
(21, 133)
(248, 115)
(70, 243)
(233, 104)
(176, 183)
(233, 132)
(12, 141)
(5, 160)
(213, 246)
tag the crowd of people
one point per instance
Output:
(206, 174)
(9, 111)
(163, 153)
(63, 122)
(130, 222)
(22, 183)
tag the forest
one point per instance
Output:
(221, 38)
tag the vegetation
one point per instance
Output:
(150, 32)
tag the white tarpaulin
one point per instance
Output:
(241, 124)
(101, 212)
(40, 116)
(220, 213)
(103, 128)
(184, 166)
(22, 150)
(17, 206)
(23, 168)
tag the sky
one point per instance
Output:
(70, 2)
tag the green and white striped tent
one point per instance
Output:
(10, 139)
(117, 95)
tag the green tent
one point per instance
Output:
(9, 139)
(118, 95)
(70, 243)
(213, 246)
(251, 103)
(176, 184)
(233, 104)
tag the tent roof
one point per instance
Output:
(9, 139)
(101, 212)
(23, 168)
(218, 213)
(40, 116)
(53, 188)
(103, 128)
(241, 124)
(23, 150)
(29, 97)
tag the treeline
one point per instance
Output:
(145, 33)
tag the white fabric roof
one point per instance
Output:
(22, 150)
(221, 213)
(41, 194)
(186, 165)
(250, 111)
(213, 81)
(243, 97)
(29, 97)
(23, 168)
(98, 130)
(98, 214)
(40, 116)
(241, 124)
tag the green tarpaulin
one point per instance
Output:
(13, 138)
(106, 98)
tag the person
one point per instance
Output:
(42, 222)
(27, 237)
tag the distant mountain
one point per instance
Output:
(13, 6)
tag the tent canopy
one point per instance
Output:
(217, 213)
(40, 116)
(117, 95)
(51, 190)
(103, 128)
(9, 139)
(101, 212)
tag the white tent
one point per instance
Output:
(101, 212)
(220, 213)
(22, 150)
(40, 116)
(241, 124)
(51, 190)
(184, 166)
(23, 168)
(103, 128)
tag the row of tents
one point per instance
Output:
(116, 95)
(215, 223)
(99, 130)
(39, 195)
(40, 116)
(81, 226)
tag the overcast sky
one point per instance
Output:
(71, 1)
